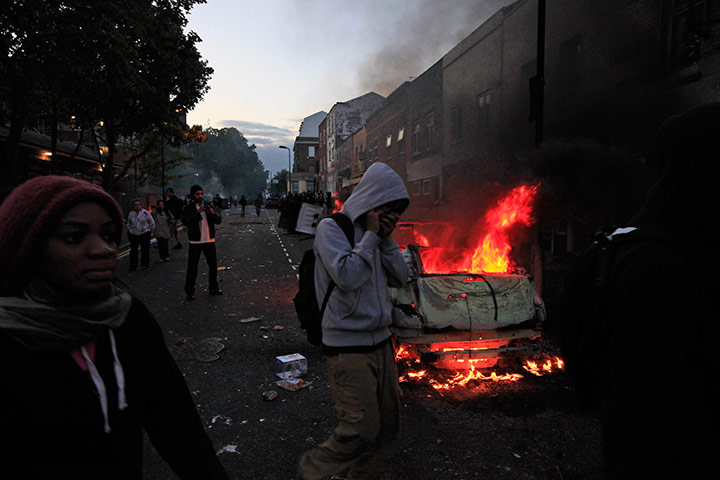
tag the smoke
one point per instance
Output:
(412, 39)
(213, 185)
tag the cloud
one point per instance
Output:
(267, 140)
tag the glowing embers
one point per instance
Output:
(492, 252)
(548, 366)
(469, 372)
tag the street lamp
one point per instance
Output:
(289, 169)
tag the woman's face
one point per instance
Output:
(81, 253)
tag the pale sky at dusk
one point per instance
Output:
(279, 61)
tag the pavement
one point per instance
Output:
(226, 346)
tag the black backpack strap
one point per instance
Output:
(349, 229)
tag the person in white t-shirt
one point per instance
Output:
(200, 219)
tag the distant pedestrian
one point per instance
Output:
(258, 204)
(200, 219)
(175, 206)
(140, 225)
(243, 204)
(84, 367)
(163, 223)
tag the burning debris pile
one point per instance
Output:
(467, 310)
(413, 370)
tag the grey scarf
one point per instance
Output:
(41, 319)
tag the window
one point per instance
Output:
(430, 131)
(401, 134)
(427, 187)
(311, 185)
(569, 78)
(295, 186)
(456, 123)
(416, 189)
(416, 138)
(483, 102)
(388, 141)
(688, 27)
(436, 189)
(311, 151)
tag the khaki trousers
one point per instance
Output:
(366, 394)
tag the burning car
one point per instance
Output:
(470, 309)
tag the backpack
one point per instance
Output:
(583, 327)
(306, 306)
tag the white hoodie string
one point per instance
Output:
(100, 385)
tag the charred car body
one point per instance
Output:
(460, 320)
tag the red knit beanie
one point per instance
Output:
(29, 213)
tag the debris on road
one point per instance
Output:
(293, 384)
(250, 319)
(269, 395)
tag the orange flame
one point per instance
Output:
(492, 254)
(337, 204)
(461, 378)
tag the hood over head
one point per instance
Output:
(684, 148)
(379, 185)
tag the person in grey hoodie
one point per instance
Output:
(356, 338)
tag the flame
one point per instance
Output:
(492, 254)
(421, 240)
(548, 366)
(337, 204)
(461, 378)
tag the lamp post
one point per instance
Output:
(289, 169)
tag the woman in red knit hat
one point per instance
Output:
(83, 365)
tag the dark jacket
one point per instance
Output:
(175, 206)
(52, 423)
(191, 219)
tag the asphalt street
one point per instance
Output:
(226, 347)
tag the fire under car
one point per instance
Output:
(463, 320)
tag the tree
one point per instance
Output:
(225, 164)
(122, 68)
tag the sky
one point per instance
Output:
(278, 61)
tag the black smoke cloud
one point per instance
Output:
(414, 41)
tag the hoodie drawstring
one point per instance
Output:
(100, 385)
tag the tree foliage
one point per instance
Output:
(225, 164)
(120, 68)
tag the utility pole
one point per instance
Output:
(537, 83)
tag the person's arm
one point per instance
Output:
(151, 221)
(348, 267)
(214, 216)
(190, 214)
(170, 416)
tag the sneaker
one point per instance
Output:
(161, 260)
(167, 259)
(215, 291)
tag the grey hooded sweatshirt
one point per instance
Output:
(359, 311)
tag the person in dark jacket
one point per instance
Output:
(84, 367)
(175, 206)
(200, 219)
(661, 322)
